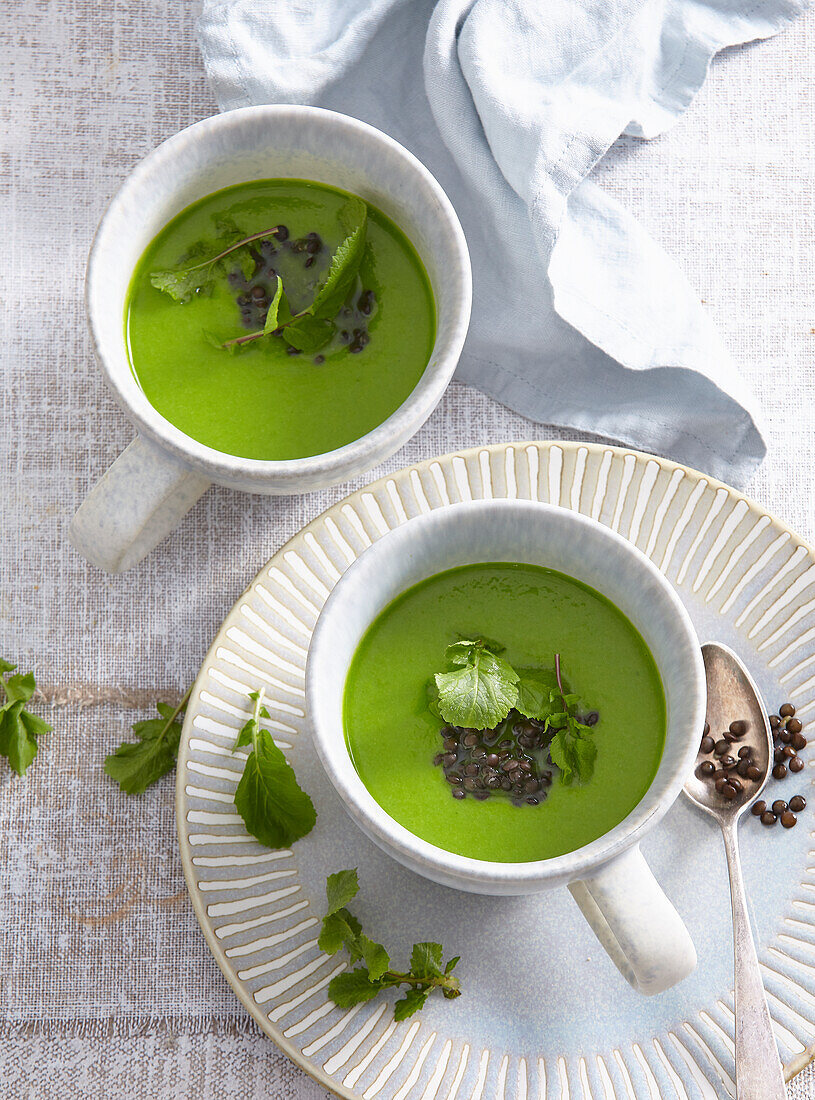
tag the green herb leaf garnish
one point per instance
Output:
(273, 806)
(136, 765)
(425, 960)
(484, 692)
(535, 687)
(307, 331)
(481, 691)
(413, 1001)
(308, 334)
(572, 748)
(344, 263)
(184, 283)
(341, 929)
(19, 728)
(340, 888)
(352, 988)
(271, 323)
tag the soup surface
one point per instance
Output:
(262, 398)
(535, 613)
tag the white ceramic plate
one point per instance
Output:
(544, 1015)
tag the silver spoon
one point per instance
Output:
(731, 694)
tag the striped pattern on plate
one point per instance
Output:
(746, 579)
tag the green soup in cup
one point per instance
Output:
(320, 175)
(201, 362)
(533, 580)
(535, 612)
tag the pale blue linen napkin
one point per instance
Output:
(579, 318)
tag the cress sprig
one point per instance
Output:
(310, 329)
(341, 929)
(483, 689)
(278, 812)
(273, 806)
(19, 728)
(184, 283)
(137, 765)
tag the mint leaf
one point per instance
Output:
(184, 283)
(181, 285)
(482, 640)
(425, 960)
(271, 323)
(274, 808)
(352, 988)
(462, 652)
(135, 766)
(413, 1001)
(479, 694)
(245, 734)
(340, 888)
(19, 729)
(345, 262)
(307, 333)
(341, 928)
(452, 964)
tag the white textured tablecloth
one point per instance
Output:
(106, 986)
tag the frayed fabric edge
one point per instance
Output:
(117, 1027)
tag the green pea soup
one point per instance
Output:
(268, 402)
(534, 612)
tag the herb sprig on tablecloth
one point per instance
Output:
(19, 728)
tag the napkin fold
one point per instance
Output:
(579, 318)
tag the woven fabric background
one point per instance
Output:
(106, 986)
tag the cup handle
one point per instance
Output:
(137, 501)
(643, 934)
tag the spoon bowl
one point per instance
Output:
(732, 694)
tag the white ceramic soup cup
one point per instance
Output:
(158, 478)
(609, 878)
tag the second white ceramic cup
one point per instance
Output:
(608, 878)
(158, 478)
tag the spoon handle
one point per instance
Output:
(759, 1075)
